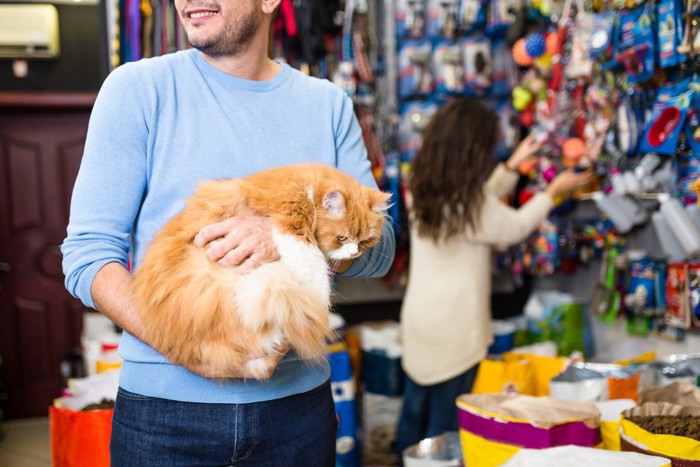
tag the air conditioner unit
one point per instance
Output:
(29, 31)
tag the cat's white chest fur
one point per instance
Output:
(305, 261)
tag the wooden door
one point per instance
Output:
(40, 322)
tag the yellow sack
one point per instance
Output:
(493, 427)
(544, 368)
(610, 413)
(682, 450)
(514, 377)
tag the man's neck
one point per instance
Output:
(251, 65)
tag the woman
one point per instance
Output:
(456, 218)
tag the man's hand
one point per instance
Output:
(244, 240)
(205, 370)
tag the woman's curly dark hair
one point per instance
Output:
(451, 166)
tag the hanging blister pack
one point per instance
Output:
(414, 116)
(478, 67)
(667, 119)
(504, 70)
(448, 69)
(670, 33)
(692, 124)
(410, 17)
(501, 14)
(601, 38)
(678, 305)
(580, 63)
(472, 15)
(635, 43)
(415, 69)
(442, 19)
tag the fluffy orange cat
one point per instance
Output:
(195, 311)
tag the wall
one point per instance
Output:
(82, 65)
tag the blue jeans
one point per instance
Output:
(298, 430)
(430, 410)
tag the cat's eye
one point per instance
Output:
(342, 238)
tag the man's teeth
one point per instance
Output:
(202, 14)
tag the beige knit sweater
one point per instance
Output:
(445, 316)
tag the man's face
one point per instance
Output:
(220, 27)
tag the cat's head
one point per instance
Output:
(349, 221)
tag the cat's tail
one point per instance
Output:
(272, 301)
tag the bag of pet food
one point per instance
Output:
(593, 382)
(81, 421)
(663, 429)
(493, 427)
(610, 412)
(544, 368)
(511, 377)
(80, 437)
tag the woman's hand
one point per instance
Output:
(526, 149)
(567, 182)
(244, 240)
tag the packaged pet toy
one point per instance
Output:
(448, 68)
(640, 301)
(694, 293)
(670, 33)
(580, 64)
(501, 15)
(635, 43)
(504, 72)
(415, 69)
(677, 299)
(472, 15)
(601, 39)
(477, 64)
(442, 19)
(414, 116)
(410, 19)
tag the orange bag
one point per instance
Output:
(80, 438)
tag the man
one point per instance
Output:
(158, 127)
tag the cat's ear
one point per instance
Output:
(334, 203)
(380, 201)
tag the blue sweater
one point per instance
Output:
(161, 125)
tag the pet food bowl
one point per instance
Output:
(661, 129)
(444, 450)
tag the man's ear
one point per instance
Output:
(269, 6)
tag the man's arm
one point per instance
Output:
(112, 293)
(376, 261)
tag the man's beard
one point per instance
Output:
(232, 41)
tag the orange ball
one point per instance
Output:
(573, 148)
(520, 55)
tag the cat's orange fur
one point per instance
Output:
(195, 311)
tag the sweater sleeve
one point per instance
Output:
(109, 186)
(352, 159)
(502, 181)
(502, 225)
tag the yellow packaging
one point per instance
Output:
(517, 376)
(544, 368)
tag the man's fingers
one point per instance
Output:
(250, 263)
(217, 249)
(234, 257)
(212, 232)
